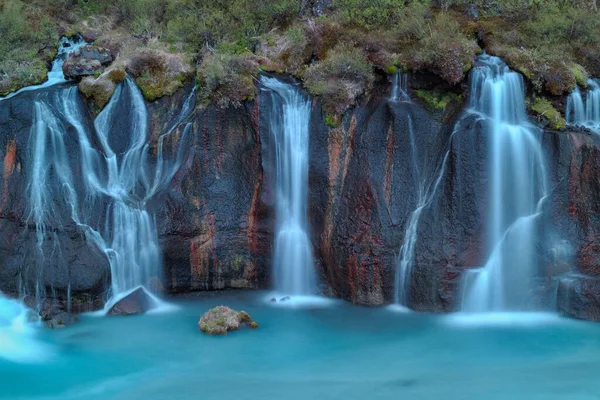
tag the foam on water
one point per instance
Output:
(500, 319)
(299, 301)
(18, 342)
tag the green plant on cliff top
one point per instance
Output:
(26, 42)
(543, 108)
(343, 76)
(227, 79)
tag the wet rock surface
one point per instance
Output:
(222, 319)
(215, 219)
(579, 297)
(136, 302)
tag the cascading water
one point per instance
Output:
(55, 75)
(293, 255)
(426, 193)
(585, 113)
(517, 182)
(399, 87)
(120, 181)
(17, 333)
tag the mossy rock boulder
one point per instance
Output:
(100, 90)
(222, 319)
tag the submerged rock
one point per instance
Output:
(54, 317)
(136, 302)
(286, 298)
(221, 319)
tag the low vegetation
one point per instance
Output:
(339, 53)
(547, 114)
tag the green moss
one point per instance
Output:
(391, 69)
(580, 74)
(437, 101)
(332, 121)
(544, 109)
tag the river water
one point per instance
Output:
(329, 350)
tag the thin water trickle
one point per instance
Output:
(121, 181)
(517, 187)
(400, 87)
(586, 112)
(293, 256)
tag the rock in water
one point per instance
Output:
(54, 317)
(136, 302)
(221, 319)
(60, 320)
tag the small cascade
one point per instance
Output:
(585, 113)
(425, 195)
(109, 198)
(400, 87)
(293, 254)
(517, 182)
(17, 333)
(406, 258)
(55, 75)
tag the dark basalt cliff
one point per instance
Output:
(215, 221)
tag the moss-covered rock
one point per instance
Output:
(158, 73)
(545, 113)
(99, 90)
(222, 319)
(437, 101)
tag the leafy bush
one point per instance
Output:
(370, 14)
(343, 76)
(227, 79)
(445, 50)
(288, 51)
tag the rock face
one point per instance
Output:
(86, 61)
(215, 219)
(579, 297)
(222, 319)
(136, 302)
(80, 267)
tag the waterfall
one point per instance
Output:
(17, 333)
(425, 195)
(517, 188)
(585, 113)
(66, 46)
(400, 87)
(114, 183)
(289, 122)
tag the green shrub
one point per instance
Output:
(373, 14)
(227, 79)
(26, 40)
(445, 50)
(343, 76)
